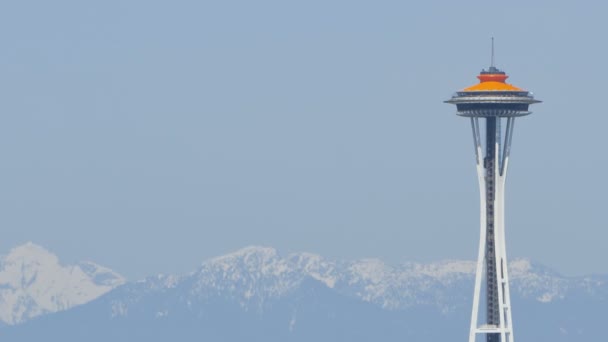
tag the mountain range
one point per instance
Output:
(258, 294)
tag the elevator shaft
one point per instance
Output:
(490, 165)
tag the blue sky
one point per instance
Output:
(150, 135)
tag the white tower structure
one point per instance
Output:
(495, 102)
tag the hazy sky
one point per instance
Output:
(150, 135)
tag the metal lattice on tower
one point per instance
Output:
(496, 102)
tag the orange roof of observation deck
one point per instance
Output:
(492, 82)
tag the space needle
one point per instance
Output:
(491, 105)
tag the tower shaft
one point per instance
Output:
(492, 162)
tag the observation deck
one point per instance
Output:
(492, 97)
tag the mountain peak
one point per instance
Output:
(33, 282)
(254, 250)
(29, 252)
(520, 266)
(249, 254)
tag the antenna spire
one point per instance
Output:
(492, 60)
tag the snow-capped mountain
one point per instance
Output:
(33, 282)
(258, 294)
(254, 275)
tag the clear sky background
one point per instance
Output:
(150, 135)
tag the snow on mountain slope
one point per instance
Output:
(253, 276)
(33, 282)
(538, 282)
